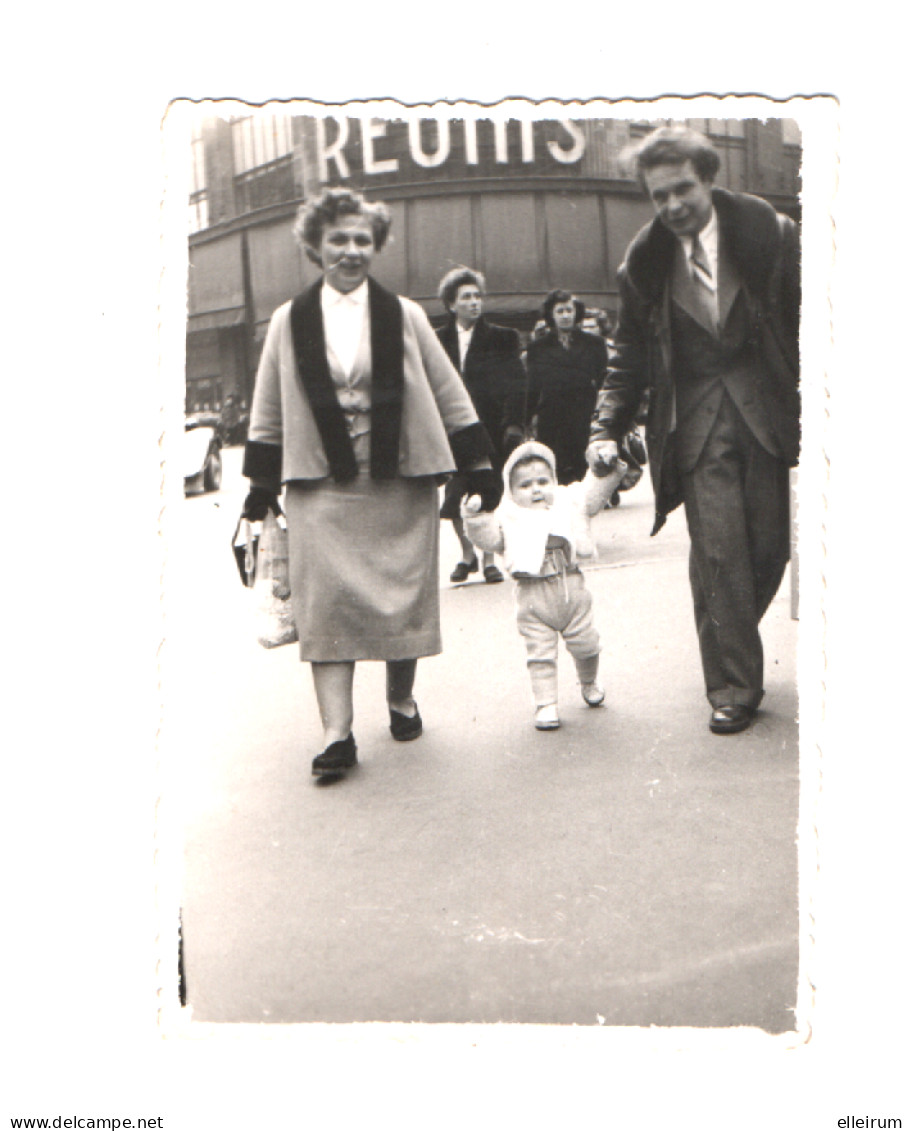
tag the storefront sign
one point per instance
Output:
(347, 147)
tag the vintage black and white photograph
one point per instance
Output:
(483, 699)
(445, 859)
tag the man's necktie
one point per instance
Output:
(705, 284)
(701, 270)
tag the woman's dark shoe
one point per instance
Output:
(405, 727)
(492, 574)
(463, 569)
(336, 759)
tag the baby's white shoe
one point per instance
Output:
(546, 718)
(593, 693)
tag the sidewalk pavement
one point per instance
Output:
(630, 868)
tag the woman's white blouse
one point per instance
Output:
(344, 316)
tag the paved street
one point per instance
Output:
(630, 868)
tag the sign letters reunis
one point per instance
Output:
(373, 147)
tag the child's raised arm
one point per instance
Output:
(482, 528)
(598, 486)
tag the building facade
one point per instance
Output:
(533, 204)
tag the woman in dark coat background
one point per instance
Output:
(488, 358)
(565, 366)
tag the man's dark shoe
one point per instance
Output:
(405, 727)
(336, 759)
(463, 569)
(731, 720)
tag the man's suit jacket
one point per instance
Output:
(493, 374)
(713, 358)
(763, 249)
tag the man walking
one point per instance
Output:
(710, 297)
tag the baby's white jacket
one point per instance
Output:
(521, 534)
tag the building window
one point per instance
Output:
(263, 174)
(199, 212)
(199, 193)
(204, 394)
(720, 127)
(260, 140)
(643, 126)
(791, 134)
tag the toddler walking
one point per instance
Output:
(542, 531)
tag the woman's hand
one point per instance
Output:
(258, 503)
(487, 484)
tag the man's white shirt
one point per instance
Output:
(464, 338)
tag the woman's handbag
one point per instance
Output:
(263, 564)
(271, 591)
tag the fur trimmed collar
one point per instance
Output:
(450, 341)
(387, 381)
(748, 227)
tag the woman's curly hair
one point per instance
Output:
(318, 212)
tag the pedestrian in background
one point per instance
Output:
(596, 321)
(488, 357)
(605, 326)
(565, 366)
(710, 297)
(228, 419)
(358, 412)
(632, 451)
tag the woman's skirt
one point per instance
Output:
(363, 563)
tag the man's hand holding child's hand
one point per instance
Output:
(602, 456)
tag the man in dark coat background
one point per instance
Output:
(710, 299)
(488, 358)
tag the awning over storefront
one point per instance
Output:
(216, 284)
(216, 320)
(526, 243)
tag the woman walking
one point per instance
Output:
(487, 357)
(566, 366)
(359, 413)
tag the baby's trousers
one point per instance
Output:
(550, 607)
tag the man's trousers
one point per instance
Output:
(736, 500)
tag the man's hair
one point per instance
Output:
(318, 212)
(455, 278)
(524, 461)
(673, 145)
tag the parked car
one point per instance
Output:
(202, 455)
